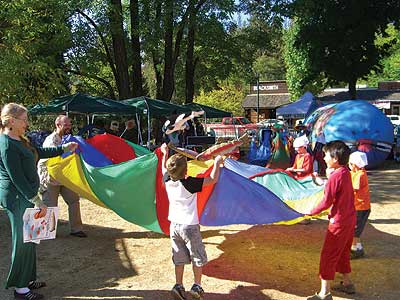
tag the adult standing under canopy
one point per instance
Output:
(51, 189)
(19, 185)
(154, 108)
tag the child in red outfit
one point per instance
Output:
(358, 160)
(339, 197)
(303, 163)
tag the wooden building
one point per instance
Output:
(274, 94)
(386, 97)
(270, 96)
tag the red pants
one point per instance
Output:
(335, 254)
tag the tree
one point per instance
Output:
(390, 64)
(33, 37)
(119, 48)
(338, 37)
(228, 98)
(299, 75)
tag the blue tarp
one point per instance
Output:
(299, 109)
(232, 203)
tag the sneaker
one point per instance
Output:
(28, 296)
(178, 292)
(317, 297)
(34, 285)
(347, 289)
(354, 254)
(196, 292)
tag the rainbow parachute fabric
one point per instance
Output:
(127, 179)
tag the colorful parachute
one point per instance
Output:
(359, 124)
(132, 186)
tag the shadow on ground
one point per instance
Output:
(273, 257)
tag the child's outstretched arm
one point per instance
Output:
(164, 151)
(214, 172)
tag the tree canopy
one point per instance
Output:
(337, 37)
(190, 49)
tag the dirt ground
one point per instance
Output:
(120, 260)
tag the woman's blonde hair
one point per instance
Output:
(15, 110)
(176, 166)
(11, 110)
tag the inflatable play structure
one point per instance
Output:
(260, 155)
(127, 179)
(358, 123)
(272, 150)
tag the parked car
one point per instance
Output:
(395, 119)
(233, 127)
(272, 123)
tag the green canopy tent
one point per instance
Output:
(155, 108)
(82, 104)
(209, 112)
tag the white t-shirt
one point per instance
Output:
(182, 195)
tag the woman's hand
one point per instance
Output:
(43, 210)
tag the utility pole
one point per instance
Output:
(258, 98)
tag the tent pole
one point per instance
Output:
(205, 123)
(258, 98)
(140, 138)
(148, 126)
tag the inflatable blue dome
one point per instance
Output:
(359, 124)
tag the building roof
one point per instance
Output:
(337, 95)
(275, 100)
(270, 101)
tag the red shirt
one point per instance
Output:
(303, 161)
(339, 196)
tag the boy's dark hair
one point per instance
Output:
(338, 150)
(176, 167)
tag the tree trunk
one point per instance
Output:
(168, 87)
(137, 80)
(155, 31)
(352, 88)
(190, 63)
(157, 72)
(120, 56)
(171, 54)
(103, 42)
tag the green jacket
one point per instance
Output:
(18, 171)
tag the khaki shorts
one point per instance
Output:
(187, 245)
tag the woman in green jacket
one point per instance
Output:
(19, 185)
